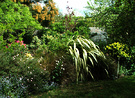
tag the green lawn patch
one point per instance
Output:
(119, 88)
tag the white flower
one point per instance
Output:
(13, 58)
(40, 59)
(20, 78)
(57, 61)
(30, 72)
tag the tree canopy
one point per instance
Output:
(45, 15)
(117, 17)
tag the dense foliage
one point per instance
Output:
(16, 20)
(35, 59)
(117, 17)
(45, 15)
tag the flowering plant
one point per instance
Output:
(58, 71)
(19, 42)
(16, 46)
(118, 50)
(28, 56)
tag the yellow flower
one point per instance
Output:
(28, 55)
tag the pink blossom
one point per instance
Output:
(21, 41)
(17, 41)
(24, 45)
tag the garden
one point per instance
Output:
(46, 54)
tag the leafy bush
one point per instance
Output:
(16, 47)
(51, 41)
(36, 43)
(80, 26)
(124, 56)
(101, 44)
(16, 20)
(132, 54)
(27, 67)
(131, 71)
(85, 55)
(2, 43)
(120, 52)
(83, 28)
(130, 63)
(124, 71)
(117, 49)
(58, 26)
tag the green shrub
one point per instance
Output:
(58, 26)
(2, 43)
(16, 47)
(51, 41)
(83, 28)
(117, 49)
(36, 43)
(132, 54)
(16, 20)
(131, 71)
(27, 67)
(101, 44)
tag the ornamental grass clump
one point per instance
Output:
(86, 56)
